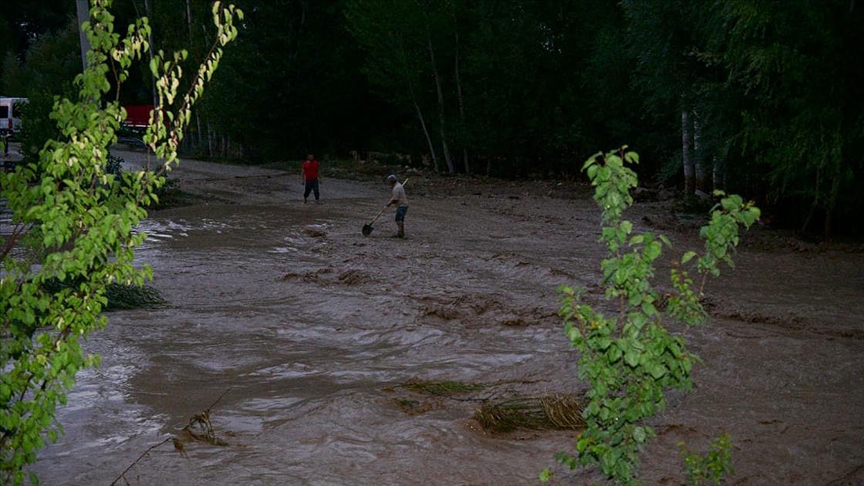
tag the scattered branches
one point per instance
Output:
(201, 420)
(201, 429)
(135, 462)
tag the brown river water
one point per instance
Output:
(309, 330)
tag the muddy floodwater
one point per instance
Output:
(310, 330)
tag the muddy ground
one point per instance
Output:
(312, 330)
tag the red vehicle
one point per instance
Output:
(137, 117)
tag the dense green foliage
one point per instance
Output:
(629, 358)
(754, 97)
(72, 241)
(713, 466)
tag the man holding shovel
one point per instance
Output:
(401, 201)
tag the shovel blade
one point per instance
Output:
(367, 229)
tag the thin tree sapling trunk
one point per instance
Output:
(441, 116)
(699, 155)
(687, 152)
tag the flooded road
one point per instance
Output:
(309, 330)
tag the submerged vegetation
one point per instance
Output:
(545, 412)
(118, 296)
(443, 387)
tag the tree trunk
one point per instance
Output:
(832, 197)
(718, 170)
(441, 116)
(209, 141)
(193, 143)
(83, 13)
(413, 95)
(189, 21)
(718, 173)
(148, 9)
(428, 137)
(461, 98)
(699, 155)
(686, 152)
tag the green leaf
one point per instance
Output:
(632, 357)
(639, 435)
(658, 371)
(614, 354)
(545, 475)
(653, 250)
(582, 444)
(649, 309)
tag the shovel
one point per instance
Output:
(367, 228)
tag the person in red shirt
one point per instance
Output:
(309, 173)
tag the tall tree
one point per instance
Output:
(24, 23)
(666, 38)
(400, 54)
(439, 91)
(82, 11)
(800, 64)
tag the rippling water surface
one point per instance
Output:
(311, 329)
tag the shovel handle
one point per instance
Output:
(378, 215)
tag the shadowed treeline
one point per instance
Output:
(752, 97)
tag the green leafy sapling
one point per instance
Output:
(628, 358)
(72, 222)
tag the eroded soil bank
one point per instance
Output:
(312, 328)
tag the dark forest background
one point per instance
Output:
(759, 97)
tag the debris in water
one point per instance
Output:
(547, 412)
(443, 388)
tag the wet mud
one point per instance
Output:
(314, 330)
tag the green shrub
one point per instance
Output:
(73, 222)
(713, 467)
(629, 358)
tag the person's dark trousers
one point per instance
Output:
(311, 186)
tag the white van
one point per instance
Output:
(10, 120)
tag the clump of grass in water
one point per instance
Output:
(413, 407)
(120, 296)
(443, 387)
(133, 297)
(548, 412)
